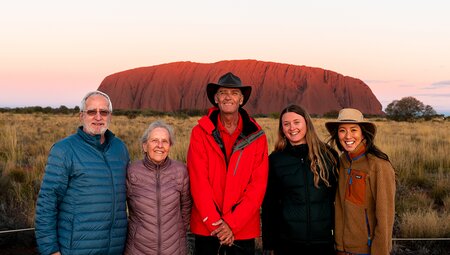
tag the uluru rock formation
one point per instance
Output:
(182, 85)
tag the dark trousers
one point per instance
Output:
(290, 248)
(210, 245)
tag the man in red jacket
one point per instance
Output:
(228, 167)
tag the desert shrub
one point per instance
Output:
(408, 200)
(418, 152)
(440, 191)
(424, 223)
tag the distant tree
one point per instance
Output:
(409, 109)
(429, 112)
(62, 109)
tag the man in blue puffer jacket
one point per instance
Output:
(81, 206)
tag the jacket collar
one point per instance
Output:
(149, 164)
(94, 140)
(359, 151)
(300, 150)
(209, 122)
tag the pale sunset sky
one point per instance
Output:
(52, 52)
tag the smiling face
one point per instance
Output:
(228, 100)
(96, 116)
(350, 136)
(158, 145)
(294, 128)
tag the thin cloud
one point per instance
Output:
(433, 95)
(381, 81)
(440, 84)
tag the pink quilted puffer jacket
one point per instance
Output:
(159, 204)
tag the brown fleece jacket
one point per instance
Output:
(365, 205)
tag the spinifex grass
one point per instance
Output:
(418, 151)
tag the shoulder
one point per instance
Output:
(135, 166)
(136, 163)
(177, 164)
(64, 145)
(178, 169)
(378, 164)
(276, 155)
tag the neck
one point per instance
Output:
(229, 121)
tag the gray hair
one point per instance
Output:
(94, 93)
(159, 124)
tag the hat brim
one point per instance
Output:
(212, 88)
(333, 125)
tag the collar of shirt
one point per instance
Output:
(229, 139)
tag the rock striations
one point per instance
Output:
(182, 85)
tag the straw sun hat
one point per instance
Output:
(348, 116)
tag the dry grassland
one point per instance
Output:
(419, 152)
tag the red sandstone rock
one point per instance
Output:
(182, 85)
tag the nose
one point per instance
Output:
(227, 95)
(347, 135)
(98, 116)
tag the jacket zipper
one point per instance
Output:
(308, 210)
(348, 182)
(113, 198)
(158, 206)
(237, 163)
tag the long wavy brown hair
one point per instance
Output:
(320, 155)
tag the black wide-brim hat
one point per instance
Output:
(231, 81)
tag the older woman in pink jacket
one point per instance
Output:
(158, 197)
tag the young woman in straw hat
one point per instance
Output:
(365, 199)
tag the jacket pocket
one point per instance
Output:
(356, 187)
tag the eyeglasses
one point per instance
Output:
(103, 113)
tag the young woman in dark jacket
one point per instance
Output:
(298, 210)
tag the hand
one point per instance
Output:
(223, 232)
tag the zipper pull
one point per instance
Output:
(350, 177)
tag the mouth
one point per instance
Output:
(294, 133)
(350, 142)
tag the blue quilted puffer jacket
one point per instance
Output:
(81, 206)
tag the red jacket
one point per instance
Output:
(233, 192)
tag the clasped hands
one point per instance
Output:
(223, 232)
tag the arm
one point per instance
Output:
(385, 208)
(254, 191)
(53, 188)
(201, 190)
(269, 211)
(186, 200)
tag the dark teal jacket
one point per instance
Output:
(81, 206)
